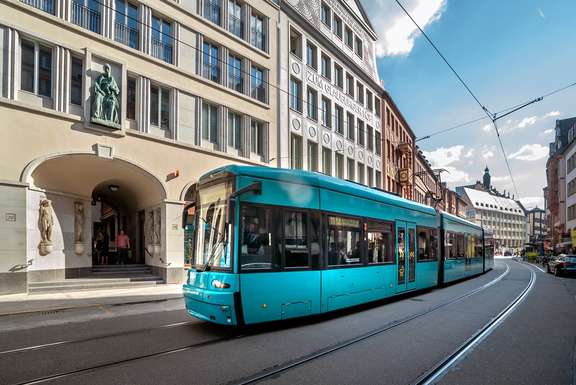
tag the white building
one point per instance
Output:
(330, 119)
(504, 217)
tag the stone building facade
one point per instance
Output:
(190, 93)
(329, 120)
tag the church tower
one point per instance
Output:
(486, 179)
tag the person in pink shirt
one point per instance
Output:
(122, 246)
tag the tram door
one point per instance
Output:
(406, 256)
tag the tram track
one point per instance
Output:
(266, 373)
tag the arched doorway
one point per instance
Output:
(89, 194)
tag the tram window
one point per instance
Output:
(296, 252)
(478, 247)
(315, 239)
(460, 246)
(450, 245)
(470, 246)
(380, 237)
(344, 245)
(427, 244)
(256, 238)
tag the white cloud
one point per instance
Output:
(531, 202)
(551, 114)
(395, 30)
(488, 155)
(527, 121)
(549, 131)
(504, 178)
(487, 127)
(530, 152)
(453, 175)
(469, 153)
(444, 156)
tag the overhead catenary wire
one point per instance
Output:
(493, 117)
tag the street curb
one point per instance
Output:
(96, 305)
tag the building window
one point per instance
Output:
(360, 173)
(350, 85)
(326, 111)
(351, 169)
(370, 136)
(348, 37)
(377, 106)
(36, 68)
(257, 36)
(370, 173)
(159, 107)
(378, 179)
(87, 14)
(257, 137)
(326, 161)
(235, 24)
(257, 88)
(162, 41)
(213, 11)
(378, 144)
(43, 5)
(339, 119)
(235, 131)
(126, 24)
(325, 67)
(210, 64)
(235, 80)
(326, 14)
(360, 92)
(311, 56)
(359, 50)
(351, 127)
(361, 133)
(295, 94)
(131, 98)
(296, 43)
(296, 152)
(338, 76)
(312, 97)
(76, 76)
(369, 101)
(312, 156)
(340, 166)
(338, 27)
(210, 123)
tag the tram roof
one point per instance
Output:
(463, 221)
(316, 179)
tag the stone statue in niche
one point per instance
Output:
(46, 222)
(79, 219)
(105, 100)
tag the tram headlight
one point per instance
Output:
(220, 285)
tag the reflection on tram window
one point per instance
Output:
(344, 246)
(380, 237)
(427, 244)
(449, 245)
(256, 238)
(296, 250)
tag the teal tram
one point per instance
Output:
(272, 244)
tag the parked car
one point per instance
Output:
(562, 264)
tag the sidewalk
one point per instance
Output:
(23, 303)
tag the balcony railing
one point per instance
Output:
(126, 35)
(86, 17)
(211, 71)
(162, 50)
(43, 5)
(212, 11)
(235, 25)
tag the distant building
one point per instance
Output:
(561, 184)
(498, 212)
(537, 228)
(427, 189)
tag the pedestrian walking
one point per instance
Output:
(122, 246)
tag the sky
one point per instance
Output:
(508, 52)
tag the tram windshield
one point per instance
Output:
(212, 248)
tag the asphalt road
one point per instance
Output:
(402, 340)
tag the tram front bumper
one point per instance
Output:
(211, 306)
